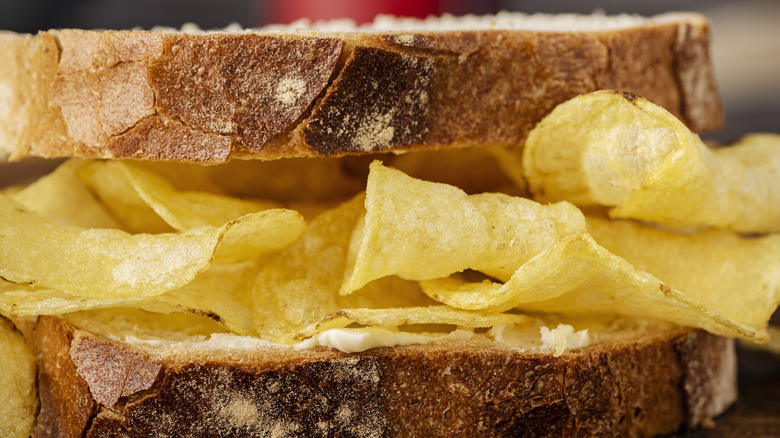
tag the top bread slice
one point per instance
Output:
(209, 97)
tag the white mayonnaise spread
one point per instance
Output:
(357, 340)
(354, 340)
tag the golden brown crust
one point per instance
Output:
(698, 99)
(66, 404)
(640, 386)
(111, 373)
(212, 97)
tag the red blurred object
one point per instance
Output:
(362, 11)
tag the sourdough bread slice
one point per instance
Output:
(637, 383)
(209, 97)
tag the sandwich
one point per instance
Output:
(480, 226)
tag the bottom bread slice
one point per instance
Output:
(95, 386)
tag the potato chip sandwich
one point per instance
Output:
(443, 227)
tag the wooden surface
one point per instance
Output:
(757, 412)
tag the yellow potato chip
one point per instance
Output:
(221, 293)
(628, 154)
(296, 292)
(142, 198)
(295, 288)
(183, 210)
(509, 217)
(132, 191)
(138, 324)
(259, 233)
(385, 293)
(580, 277)
(24, 300)
(420, 230)
(711, 279)
(62, 197)
(17, 384)
(114, 190)
(435, 314)
(111, 263)
(511, 163)
(542, 255)
(287, 180)
(419, 236)
(182, 176)
(734, 275)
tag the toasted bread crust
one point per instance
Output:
(643, 386)
(212, 97)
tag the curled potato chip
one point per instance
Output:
(24, 300)
(385, 243)
(17, 384)
(734, 275)
(291, 179)
(420, 230)
(183, 210)
(259, 233)
(580, 277)
(221, 293)
(296, 292)
(132, 192)
(294, 289)
(62, 197)
(628, 154)
(111, 263)
(111, 186)
(137, 324)
(143, 199)
(544, 258)
(436, 314)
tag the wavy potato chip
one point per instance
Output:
(287, 180)
(24, 300)
(139, 324)
(183, 210)
(628, 154)
(62, 197)
(296, 294)
(435, 314)
(111, 186)
(259, 233)
(543, 256)
(221, 293)
(132, 192)
(18, 390)
(104, 263)
(581, 277)
(734, 275)
(387, 241)
(293, 289)
(420, 230)
(141, 198)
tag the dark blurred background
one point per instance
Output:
(746, 34)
